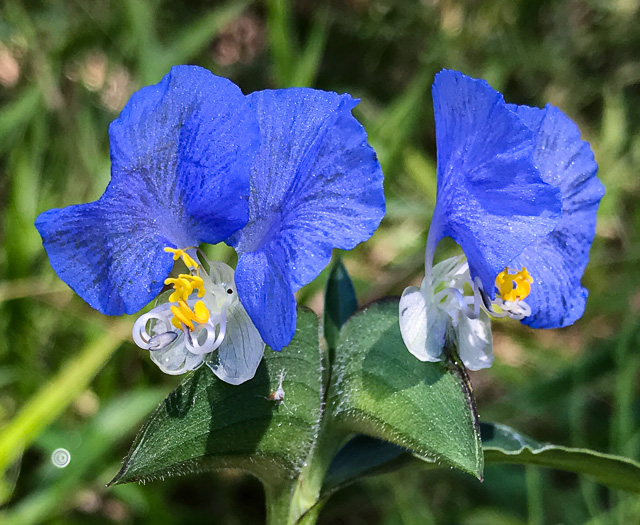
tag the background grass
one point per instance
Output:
(66, 69)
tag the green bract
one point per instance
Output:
(285, 427)
(306, 431)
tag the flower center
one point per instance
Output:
(191, 321)
(183, 286)
(514, 286)
(448, 289)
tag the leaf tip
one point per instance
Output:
(118, 478)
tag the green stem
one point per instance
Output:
(622, 423)
(535, 500)
(311, 516)
(297, 503)
(309, 484)
(278, 503)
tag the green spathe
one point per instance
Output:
(381, 390)
(207, 424)
(289, 440)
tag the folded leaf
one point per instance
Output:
(340, 302)
(381, 390)
(504, 445)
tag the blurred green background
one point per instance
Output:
(71, 378)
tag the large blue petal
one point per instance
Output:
(315, 185)
(491, 198)
(188, 144)
(113, 260)
(181, 153)
(262, 281)
(557, 261)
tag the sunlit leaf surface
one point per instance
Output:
(381, 390)
(207, 424)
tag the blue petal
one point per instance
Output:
(113, 260)
(491, 198)
(181, 152)
(315, 185)
(264, 289)
(188, 143)
(557, 261)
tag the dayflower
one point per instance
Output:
(517, 190)
(187, 169)
(181, 151)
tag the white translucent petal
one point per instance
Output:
(475, 342)
(176, 359)
(220, 274)
(241, 351)
(449, 270)
(422, 325)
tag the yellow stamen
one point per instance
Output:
(514, 286)
(182, 314)
(201, 313)
(183, 286)
(186, 258)
(180, 318)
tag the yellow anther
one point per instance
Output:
(186, 258)
(180, 317)
(182, 314)
(197, 284)
(514, 286)
(183, 286)
(181, 289)
(201, 312)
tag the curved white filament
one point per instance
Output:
(227, 341)
(191, 339)
(223, 324)
(450, 305)
(144, 339)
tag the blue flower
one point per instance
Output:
(517, 191)
(181, 153)
(283, 176)
(315, 185)
(180, 157)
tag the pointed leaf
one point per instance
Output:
(381, 390)
(207, 424)
(339, 302)
(363, 456)
(504, 445)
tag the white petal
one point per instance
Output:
(475, 342)
(175, 359)
(446, 271)
(241, 351)
(221, 274)
(422, 325)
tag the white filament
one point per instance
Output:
(470, 306)
(212, 342)
(141, 336)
